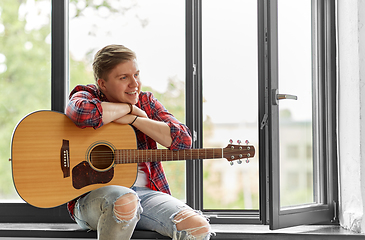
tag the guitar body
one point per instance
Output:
(50, 158)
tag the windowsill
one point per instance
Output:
(223, 232)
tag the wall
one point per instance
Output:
(351, 95)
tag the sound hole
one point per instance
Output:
(102, 157)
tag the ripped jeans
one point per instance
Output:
(155, 211)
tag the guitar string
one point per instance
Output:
(151, 152)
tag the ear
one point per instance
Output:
(101, 83)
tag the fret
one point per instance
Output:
(117, 157)
(132, 155)
(143, 156)
(175, 155)
(194, 154)
(125, 156)
(147, 156)
(187, 155)
(123, 160)
(164, 155)
(120, 156)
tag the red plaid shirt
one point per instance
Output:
(84, 109)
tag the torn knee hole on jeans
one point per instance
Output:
(193, 223)
(125, 207)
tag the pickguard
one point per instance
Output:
(84, 175)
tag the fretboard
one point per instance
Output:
(153, 155)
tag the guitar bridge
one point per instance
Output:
(65, 158)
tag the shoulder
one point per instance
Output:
(146, 96)
(150, 104)
(146, 99)
(89, 89)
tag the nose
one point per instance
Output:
(134, 82)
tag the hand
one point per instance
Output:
(127, 119)
(138, 112)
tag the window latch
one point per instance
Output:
(264, 121)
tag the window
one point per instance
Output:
(292, 179)
(300, 42)
(229, 77)
(26, 75)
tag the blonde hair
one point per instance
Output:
(108, 57)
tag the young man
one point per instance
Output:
(115, 211)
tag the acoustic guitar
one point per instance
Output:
(54, 161)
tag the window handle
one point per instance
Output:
(286, 96)
(276, 96)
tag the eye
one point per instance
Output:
(123, 78)
(136, 74)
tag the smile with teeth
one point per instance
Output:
(131, 93)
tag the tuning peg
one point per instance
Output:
(230, 141)
(247, 161)
(238, 142)
(247, 142)
(231, 163)
(239, 161)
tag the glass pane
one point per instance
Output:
(155, 30)
(295, 118)
(25, 72)
(230, 107)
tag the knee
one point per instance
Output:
(125, 207)
(193, 223)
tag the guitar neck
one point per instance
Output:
(123, 156)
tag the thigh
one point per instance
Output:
(89, 208)
(158, 211)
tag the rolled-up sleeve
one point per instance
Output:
(85, 110)
(180, 135)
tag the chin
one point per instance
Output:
(135, 101)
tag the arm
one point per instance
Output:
(114, 111)
(158, 131)
(85, 108)
(160, 125)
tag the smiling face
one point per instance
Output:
(122, 84)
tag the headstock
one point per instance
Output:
(237, 152)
